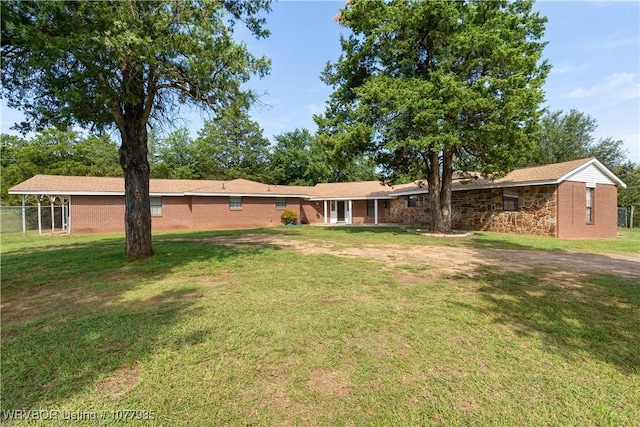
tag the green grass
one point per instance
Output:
(205, 334)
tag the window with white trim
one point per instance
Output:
(235, 203)
(281, 203)
(156, 206)
(589, 205)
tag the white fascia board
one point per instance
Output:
(189, 193)
(318, 198)
(480, 187)
(67, 193)
(85, 193)
(408, 193)
(506, 185)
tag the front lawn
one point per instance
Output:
(309, 326)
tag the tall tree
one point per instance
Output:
(299, 158)
(429, 86)
(294, 162)
(122, 64)
(565, 137)
(231, 146)
(172, 156)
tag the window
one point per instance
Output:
(509, 200)
(281, 203)
(371, 209)
(333, 206)
(156, 206)
(589, 203)
(235, 203)
(412, 201)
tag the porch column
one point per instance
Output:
(325, 211)
(62, 216)
(375, 211)
(39, 198)
(69, 217)
(52, 199)
(24, 215)
(350, 216)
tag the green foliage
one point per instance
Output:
(99, 64)
(565, 137)
(55, 152)
(300, 158)
(629, 173)
(172, 156)
(427, 86)
(231, 146)
(289, 216)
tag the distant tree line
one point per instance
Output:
(233, 146)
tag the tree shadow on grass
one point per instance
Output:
(572, 313)
(366, 228)
(68, 318)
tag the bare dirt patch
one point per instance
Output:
(452, 261)
(331, 382)
(119, 384)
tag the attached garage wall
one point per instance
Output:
(572, 222)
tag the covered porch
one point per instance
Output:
(351, 211)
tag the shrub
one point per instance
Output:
(289, 217)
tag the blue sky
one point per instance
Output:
(594, 48)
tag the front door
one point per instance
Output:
(340, 210)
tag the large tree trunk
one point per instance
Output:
(439, 181)
(433, 181)
(445, 188)
(133, 159)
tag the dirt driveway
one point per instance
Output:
(454, 260)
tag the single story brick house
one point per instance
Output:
(576, 199)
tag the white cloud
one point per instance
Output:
(315, 108)
(616, 87)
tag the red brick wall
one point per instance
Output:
(97, 214)
(213, 212)
(572, 222)
(176, 214)
(105, 214)
(313, 212)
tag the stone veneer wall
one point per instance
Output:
(482, 210)
(400, 213)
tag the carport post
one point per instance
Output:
(53, 222)
(24, 215)
(39, 215)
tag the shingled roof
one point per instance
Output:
(82, 185)
(535, 175)
(86, 185)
